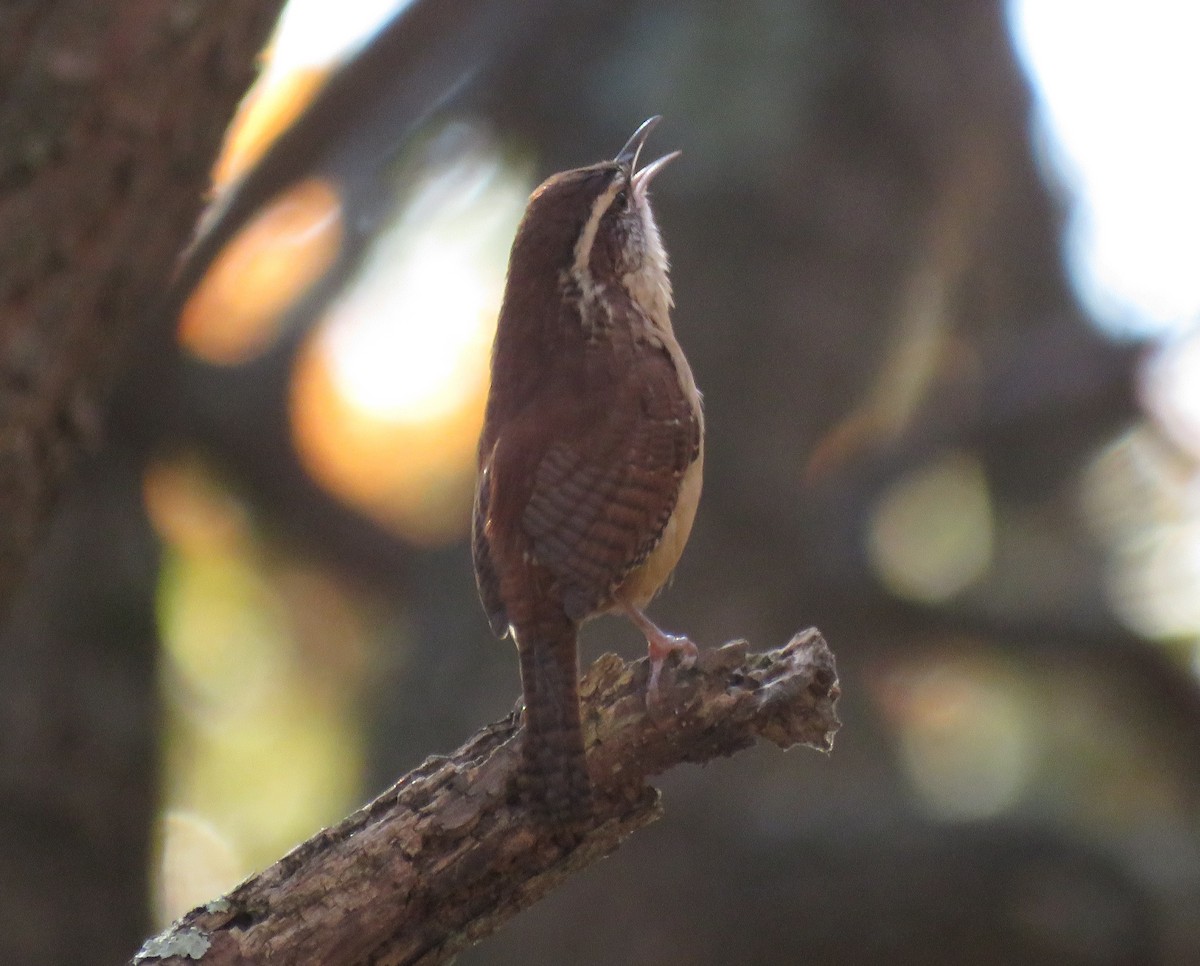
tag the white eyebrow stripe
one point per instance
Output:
(583, 246)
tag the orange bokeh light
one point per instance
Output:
(267, 111)
(235, 311)
(189, 508)
(413, 476)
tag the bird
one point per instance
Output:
(591, 453)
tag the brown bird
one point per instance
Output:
(591, 452)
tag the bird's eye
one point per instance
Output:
(622, 198)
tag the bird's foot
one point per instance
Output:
(661, 646)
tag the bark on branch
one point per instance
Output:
(446, 856)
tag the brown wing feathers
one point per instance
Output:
(574, 519)
(597, 511)
(486, 578)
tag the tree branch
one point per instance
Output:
(446, 856)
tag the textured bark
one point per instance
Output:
(445, 856)
(78, 731)
(111, 117)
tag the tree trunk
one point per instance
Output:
(112, 114)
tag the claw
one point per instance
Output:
(661, 646)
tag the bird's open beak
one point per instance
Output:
(633, 147)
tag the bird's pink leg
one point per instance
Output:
(661, 645)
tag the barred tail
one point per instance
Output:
(554, 775)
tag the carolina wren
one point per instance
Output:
(591, 452)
